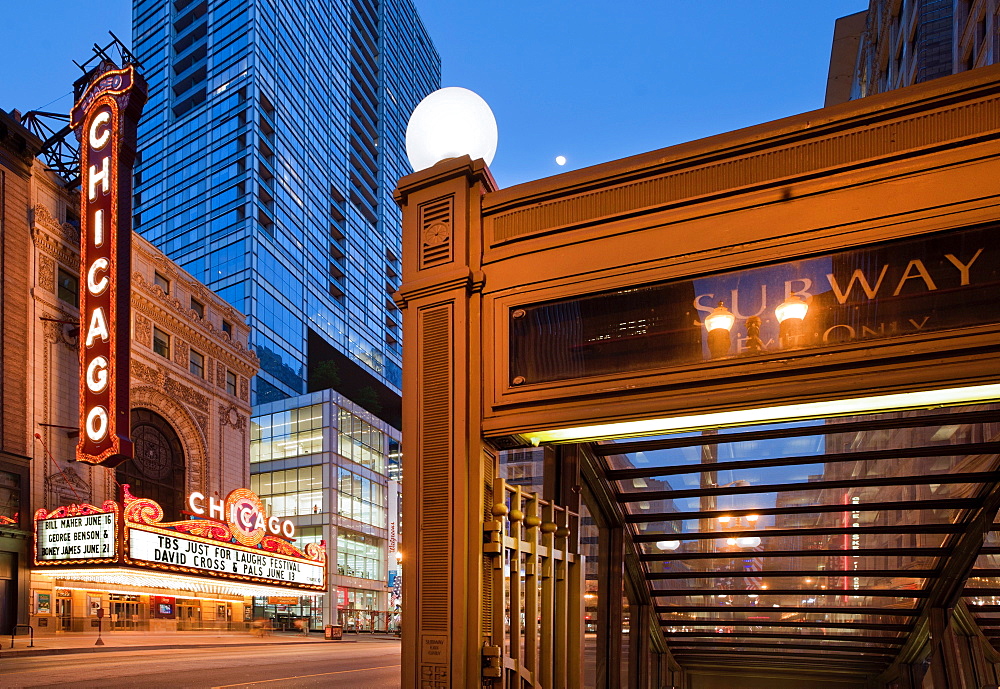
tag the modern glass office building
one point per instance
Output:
(333, 469)
(269, 148)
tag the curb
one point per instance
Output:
(28, 652)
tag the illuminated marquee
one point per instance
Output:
(234, 540)
(105, 119)
(83, 534)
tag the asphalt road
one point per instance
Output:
(358, 665)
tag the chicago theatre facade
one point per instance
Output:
(764, 365)
(166, 536)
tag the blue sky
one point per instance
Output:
(593, 81)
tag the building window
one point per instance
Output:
(162, 282)
(157, 471)
(359, 555)
(231, 383)
(198, 307)
(395, 463)
(360, 442)
(68, 288)
(227, 328)
(10, 498)
(291, 492)
(161, 343)
(197, 364)
(361, 499)
(286, 434)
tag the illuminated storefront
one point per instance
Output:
(198, 573)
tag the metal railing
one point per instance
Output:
(31, 634)
(535, 575)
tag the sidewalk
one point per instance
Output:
(144, 641)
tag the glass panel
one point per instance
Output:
(807, 598)
(910, 512)
(766, 616)
(809, 583)
(754, 631)
(10, 498)
(868, 293)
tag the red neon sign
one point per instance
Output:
(105, 119)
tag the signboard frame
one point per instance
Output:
(105, 118)
(144, 515)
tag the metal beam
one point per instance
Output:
(680, 645)
(804, 573)
(923, 479)
(851, 638)
(947, 590)
(805, 609)
(808, 531)
(826, 552)
(834, 458)
(860, 593)
(812, 656)
(871, 626)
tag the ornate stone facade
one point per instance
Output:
(210, 422)
(39, 368)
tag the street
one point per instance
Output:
(358, 665)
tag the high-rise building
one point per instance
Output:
(898, 43)
(269, 148)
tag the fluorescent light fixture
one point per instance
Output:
(924, 399)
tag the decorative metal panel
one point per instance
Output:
(435, 419)
(435, 232)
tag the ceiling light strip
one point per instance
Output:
(924, 399)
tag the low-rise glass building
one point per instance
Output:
(332, 468)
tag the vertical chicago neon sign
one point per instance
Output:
(105, 118)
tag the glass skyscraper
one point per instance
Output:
(269, 148)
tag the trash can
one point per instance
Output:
(333, 632)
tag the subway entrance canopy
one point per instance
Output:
(725, 414)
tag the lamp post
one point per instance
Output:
(790, 314)
(719, 323)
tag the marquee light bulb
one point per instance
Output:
(449, 123)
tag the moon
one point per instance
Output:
(560, 160)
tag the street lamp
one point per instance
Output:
(790, 314)
(719, 323)
(449, 123)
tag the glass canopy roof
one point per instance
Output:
(819, 541)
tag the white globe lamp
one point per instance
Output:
(449, 123)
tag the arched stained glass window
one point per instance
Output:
(157, 470)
